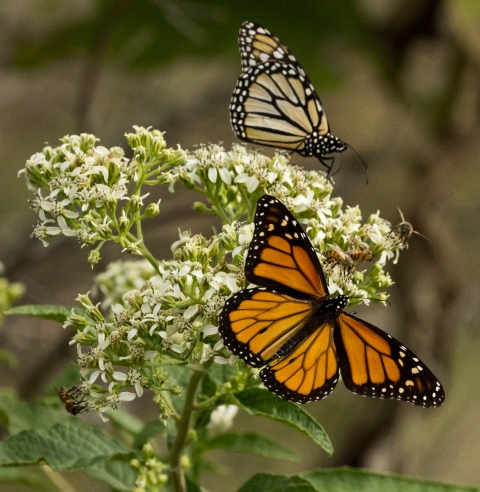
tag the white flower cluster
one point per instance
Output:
(165, 314)
(72, 180)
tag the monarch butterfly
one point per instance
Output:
(69, 399)
(404, 230)
(301, 336)
(275, 104)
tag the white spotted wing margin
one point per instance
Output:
(257, 44)
(384, 368)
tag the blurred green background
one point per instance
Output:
(400, 83)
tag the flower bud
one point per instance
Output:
(152, 209)
(104, 231)
(176, 390)
(123, 223)
(140, 155)
(94, 257)
(202, 208)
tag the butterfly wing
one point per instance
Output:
(257, 44)
(280, 256)
(309, 372)
(256, 323)
(275, 105)
(373, 363)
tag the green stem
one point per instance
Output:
(212, 195)
(145, 252)
(57, 479)
(183, 426)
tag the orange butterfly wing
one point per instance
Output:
(256, 323)
(309, 372)
(280, 256)
(373, 363)
(302, 336)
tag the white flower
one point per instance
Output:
(221, 419)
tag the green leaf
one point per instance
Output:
(64, 447)
(125, 420)
(117, 474)
(250, 442)
(192, 486)
(355, 480)
(149, 430)
(45, 311)
(257, 401)
(277, 483)
(18, 415)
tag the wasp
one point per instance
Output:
(70, 401)
(404, 231)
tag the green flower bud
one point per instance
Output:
(192, 435)
(87, 141)
(176, 390)
(123, 223)
(152, 209)
(135, 464)
(104, 231)
(140, 155)
(133, 140)
(136, 203)
(94, 257)
(75, 321)
(202, 208)
(147, 451)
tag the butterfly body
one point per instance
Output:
(301, 336)
(274, 103)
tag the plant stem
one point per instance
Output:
(145, 252)
(183, 426)
(57, 479)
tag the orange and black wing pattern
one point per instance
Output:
(300, 335)
(309, 371)
(256, 323)
(373, 363)
(280, 256)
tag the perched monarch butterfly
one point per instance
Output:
(302, 336)
(404, 230)
(274, 102)
(69, 399)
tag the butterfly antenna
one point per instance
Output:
(365, 167)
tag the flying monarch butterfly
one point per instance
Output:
(275, 104)
(69, 399)
(404, 231)
(301, 336)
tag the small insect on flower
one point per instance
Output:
(404, 231)
(360, 255)
(70, 401)
(336, 255)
